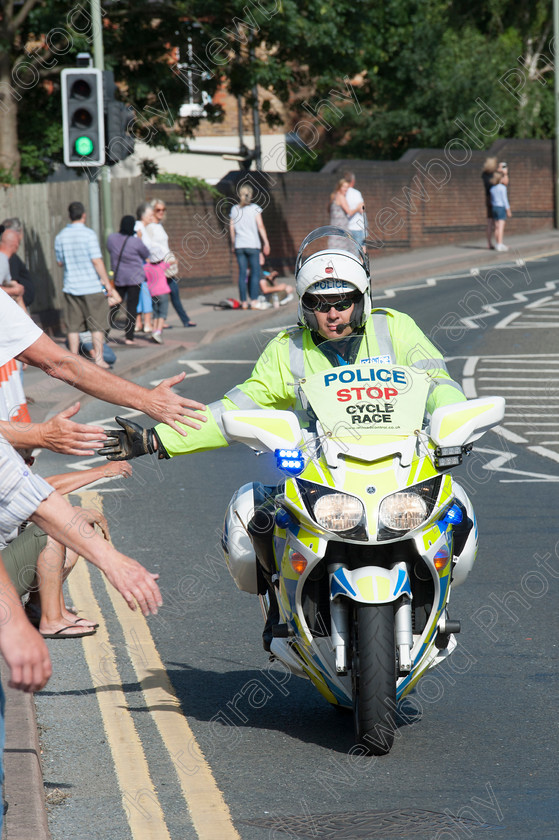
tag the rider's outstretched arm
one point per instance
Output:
(132, 440)
(267, 387)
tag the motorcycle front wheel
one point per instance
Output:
(373, 676)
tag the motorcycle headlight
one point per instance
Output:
(403, 511)
(407, 509)
(338, 512)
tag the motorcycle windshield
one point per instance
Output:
(368, 399)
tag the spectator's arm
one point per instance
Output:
(71, 527)
(346, 208)
(59, 434)
(20, 272)
(161, 402)
(70, 482)
(263, 234)
(99, 267)
(14, 290)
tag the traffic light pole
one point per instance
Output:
(99, 62)
(94, 215)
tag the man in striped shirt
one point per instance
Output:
(86, 282)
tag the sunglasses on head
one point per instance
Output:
(325, 304)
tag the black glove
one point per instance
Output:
(132, 442)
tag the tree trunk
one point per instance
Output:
(9, 99)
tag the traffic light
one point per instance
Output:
(83, 122)
(118, 120)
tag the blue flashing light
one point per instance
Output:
(283, 519)
(290, 460)
(454, 515)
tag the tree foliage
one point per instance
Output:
(431, 66)
(418, 69)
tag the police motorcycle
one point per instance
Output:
(369, 533)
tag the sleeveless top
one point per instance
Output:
(339, 218)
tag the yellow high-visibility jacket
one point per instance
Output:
(390, 337)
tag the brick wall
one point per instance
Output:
(428, 197)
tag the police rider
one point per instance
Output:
(336, 325)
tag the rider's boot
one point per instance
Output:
(272, 619)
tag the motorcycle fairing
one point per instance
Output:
(318, 663)
(371, 584)
(311, 546)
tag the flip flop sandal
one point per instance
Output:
(93, 626)
(63, 634)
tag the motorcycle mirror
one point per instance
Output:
(263, 428)
(460, 423)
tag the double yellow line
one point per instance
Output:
(208, 811)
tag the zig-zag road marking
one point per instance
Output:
(470, 390)
(469, 321)
(497, 464)
(472, 272)
(199, 366)
(539, 314)
(489, 309)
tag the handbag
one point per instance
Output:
(156, 278)
(115, 273)
(173, 266)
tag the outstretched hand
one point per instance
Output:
(115, 469)
(168, 407)
(136, 585)
(60, 434)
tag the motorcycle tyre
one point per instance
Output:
(374, 678)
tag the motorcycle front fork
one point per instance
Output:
(340, 610)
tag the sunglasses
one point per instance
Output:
(325, 304)
(159, 209)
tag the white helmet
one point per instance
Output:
(334, 271)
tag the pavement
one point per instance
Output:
(23, 789)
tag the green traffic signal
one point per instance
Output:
(83, 127)
(83, 146)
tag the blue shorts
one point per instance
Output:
(499, 213)
(358, 235)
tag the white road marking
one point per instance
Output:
(497, 464)
(199, 368)
(525, 404)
